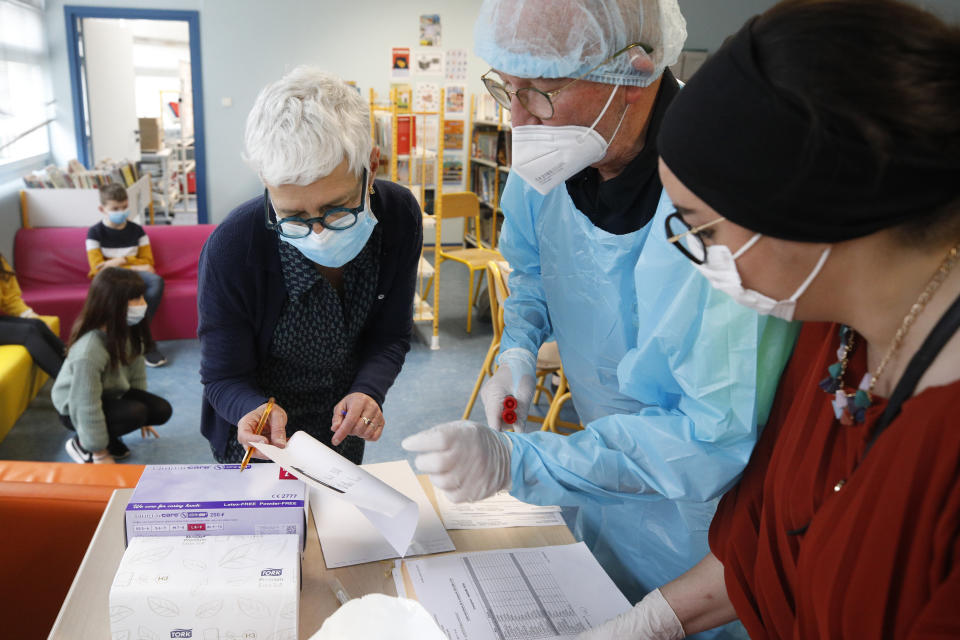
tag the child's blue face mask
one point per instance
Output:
(118, 217)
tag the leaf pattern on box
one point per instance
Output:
(209, 609)
(288, 610)
(242, 557)
(151, 555)
(163, 607)
(146, 634)
(253, 608)
(123, 579)
(194, 565)
(283, 634)
(121, 634)
(272, 546)
(198, 588)
(119, 613)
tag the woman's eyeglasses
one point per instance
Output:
(686, 238)
(540, 103)
(336, 219)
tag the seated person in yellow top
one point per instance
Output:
(19, 324)
(117, 242)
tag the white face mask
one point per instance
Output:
(546, 156)
(135, 314)
(720, 269)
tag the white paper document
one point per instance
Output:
(348, 539)
(497, 511)
(387, 514)
(516, 594)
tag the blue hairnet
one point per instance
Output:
(566, 38)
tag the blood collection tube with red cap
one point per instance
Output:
(509, 413)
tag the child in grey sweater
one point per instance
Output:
(101, 392)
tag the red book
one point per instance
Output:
(406, 134)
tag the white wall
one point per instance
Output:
(248, 43)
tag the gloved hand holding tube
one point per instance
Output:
(650, 619)
(467, 460)
(515, 377)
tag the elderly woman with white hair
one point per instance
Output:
(306, 292)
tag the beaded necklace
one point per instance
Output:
(850, 407)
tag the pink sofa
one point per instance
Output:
(51, 266)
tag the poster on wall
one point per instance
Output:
(452, 135)
(404, 96)
(427, 97)
(455, 65)
(401, 63)
(430, 30)
(455, 99)
(453, 169)
(428, 63)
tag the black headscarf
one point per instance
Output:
(754, 154)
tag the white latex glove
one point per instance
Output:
(515, 377)
(650, 619)
(467, 460)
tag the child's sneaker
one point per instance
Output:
(118, 449)
(77, 452)
(155, 358)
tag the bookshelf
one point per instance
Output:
(488, 166)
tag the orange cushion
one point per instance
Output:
(51, 510)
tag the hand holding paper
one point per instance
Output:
(321, 468)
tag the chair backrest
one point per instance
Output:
(459, 204)
(495, 288)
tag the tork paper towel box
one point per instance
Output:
(216, 500)
(207, 588)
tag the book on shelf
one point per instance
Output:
(487, 108)
(78, 177)
(482, 182)
(484, 145)
(406, 134)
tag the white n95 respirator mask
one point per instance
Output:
(546, 156)
(720, 268)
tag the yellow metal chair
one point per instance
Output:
(462, 204)
(548, 359)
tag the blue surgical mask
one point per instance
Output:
(135, 314)
(335, 248)
(118, 217)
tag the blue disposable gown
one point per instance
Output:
(668, 375)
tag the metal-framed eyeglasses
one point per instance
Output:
(686, 238)
(335, 219)
(540, 103)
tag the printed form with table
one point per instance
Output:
(215, 553)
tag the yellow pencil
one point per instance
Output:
(256, 432)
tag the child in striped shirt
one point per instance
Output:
(117, 242)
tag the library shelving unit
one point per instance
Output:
(170, 168)
(417, 169)
(488, 166)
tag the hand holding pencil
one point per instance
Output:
(267, 423)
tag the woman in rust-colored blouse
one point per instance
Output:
(814, 162)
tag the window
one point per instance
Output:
(24, 108)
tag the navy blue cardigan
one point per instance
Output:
(241, 293)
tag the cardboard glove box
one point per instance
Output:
(210, 588)
(216, 499)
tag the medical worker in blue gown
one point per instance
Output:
(669, 375)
